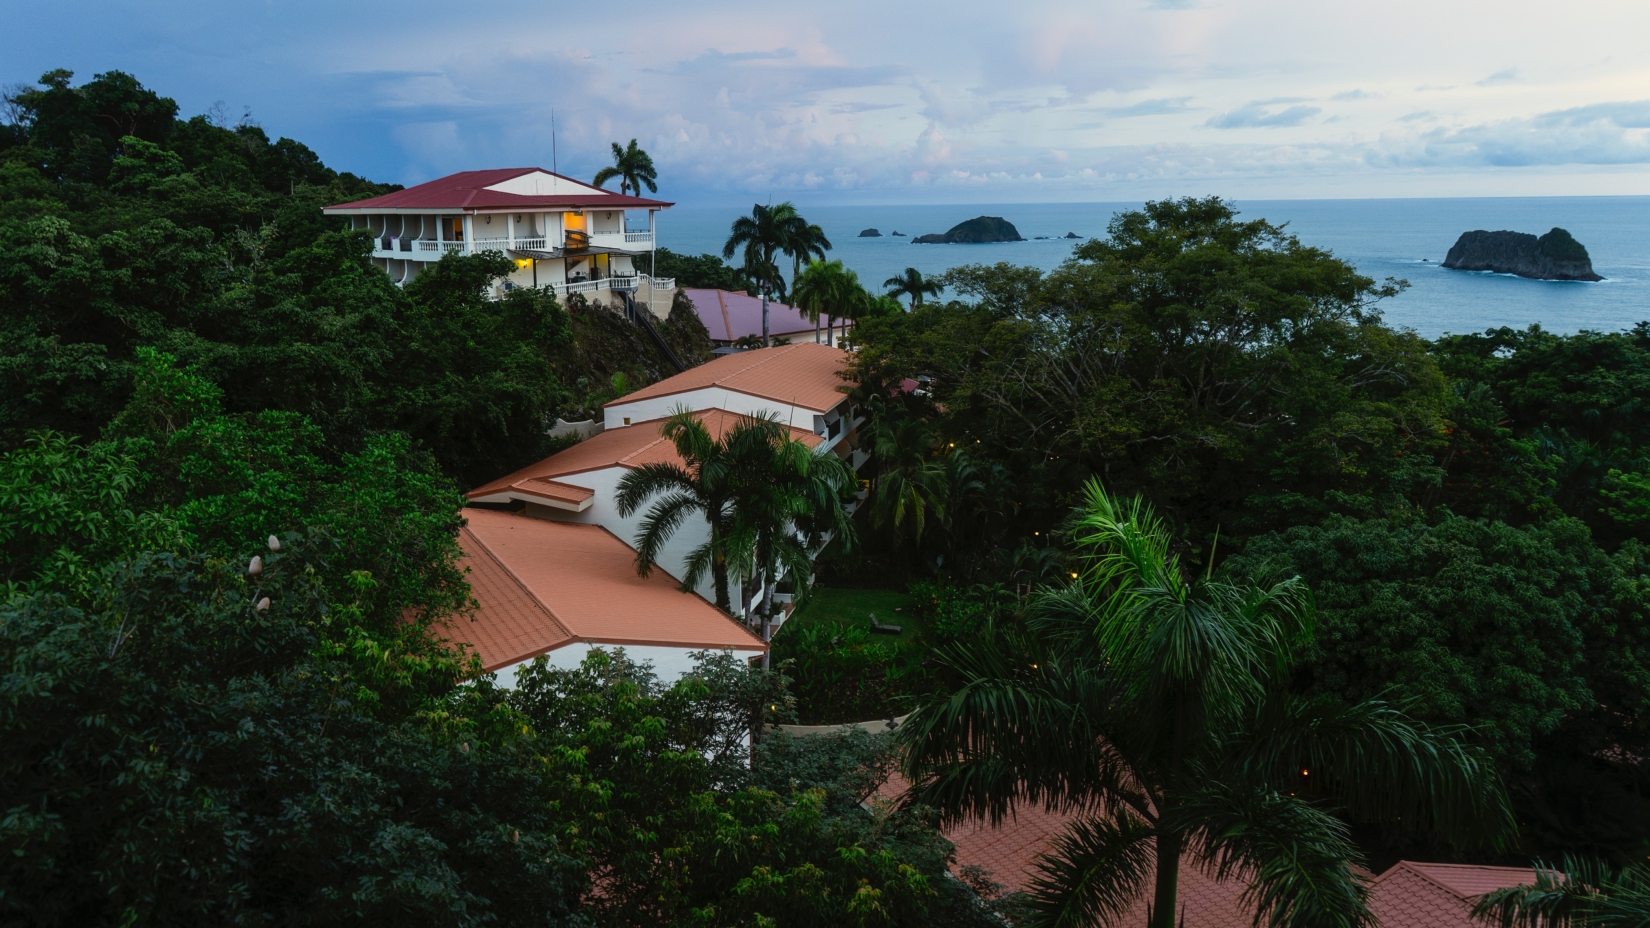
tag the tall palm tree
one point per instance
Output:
(788, 504)
(804, 242)
(633, 167)
(1576, 894)
(704, 483)
(912, 284)
(912, 485)
(763, 235)
(828, 289)
(1151, 703)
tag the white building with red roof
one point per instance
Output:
(562, 234)
(802, 385)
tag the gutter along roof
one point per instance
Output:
(543, 585)
(468, 191)
(631, 446)
(804, 374)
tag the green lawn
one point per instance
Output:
(853, 607)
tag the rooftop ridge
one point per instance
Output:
(493, 555)
(464, 529)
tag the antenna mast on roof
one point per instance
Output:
(553, 168)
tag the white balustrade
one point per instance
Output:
(632, 238)
(530, 244)
(494, 244)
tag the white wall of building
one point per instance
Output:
(603, 511)
(669, 664)
(707, 398)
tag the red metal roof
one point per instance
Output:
(730, 315)
(631, 446)
(468, 190)
(1408, 895)
(803, 374)
(543, 584)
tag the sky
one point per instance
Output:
(861, 102)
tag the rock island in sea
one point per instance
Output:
(975, 231)
(1554, 256)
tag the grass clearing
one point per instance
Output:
(854, 607)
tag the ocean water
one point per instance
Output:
(1383, 238)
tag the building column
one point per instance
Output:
(469, 233)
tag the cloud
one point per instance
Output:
(1159, 107)
(848, 108)
(1354, 95)
(1499, 77)
(1417, 116)
(1633, 114)
(1256, 115)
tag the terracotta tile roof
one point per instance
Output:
(512, 625)
(468, 190)
(804, 374)
(582, 581)
(1408, 895)
(631, 446)
(731, 316)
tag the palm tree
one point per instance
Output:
(704, 483)
(804, 242)
(763, 234)
(827, 288)
(633, 167)
(1577, 894)
(912, 284)
(787, 506)
(1152, 705)
(912, 485)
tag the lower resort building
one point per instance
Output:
(549, 551)
(731, 315)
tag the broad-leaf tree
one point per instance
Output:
(1150, 703)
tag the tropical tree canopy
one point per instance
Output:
(633, 167)
(1152, 703)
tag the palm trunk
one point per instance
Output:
(1168, 880)
(767, 607)
(719, 572)
(830, 329)
(765, 341)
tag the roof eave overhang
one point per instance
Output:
(518, 496)
(357, 210)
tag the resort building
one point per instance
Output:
(730, 315)
(801, 384)
(562, 234)
(557, 589)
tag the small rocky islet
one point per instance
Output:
(976, 231)
(1554, 256)
(871, 233)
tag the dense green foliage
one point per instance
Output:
(230, 455)
(206, 241)
(1154, 704)
(1471, 512)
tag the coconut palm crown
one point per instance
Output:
(1152, 705)
(912, 284)
(704, 484)
(633, 167)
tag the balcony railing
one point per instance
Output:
(635, 238)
